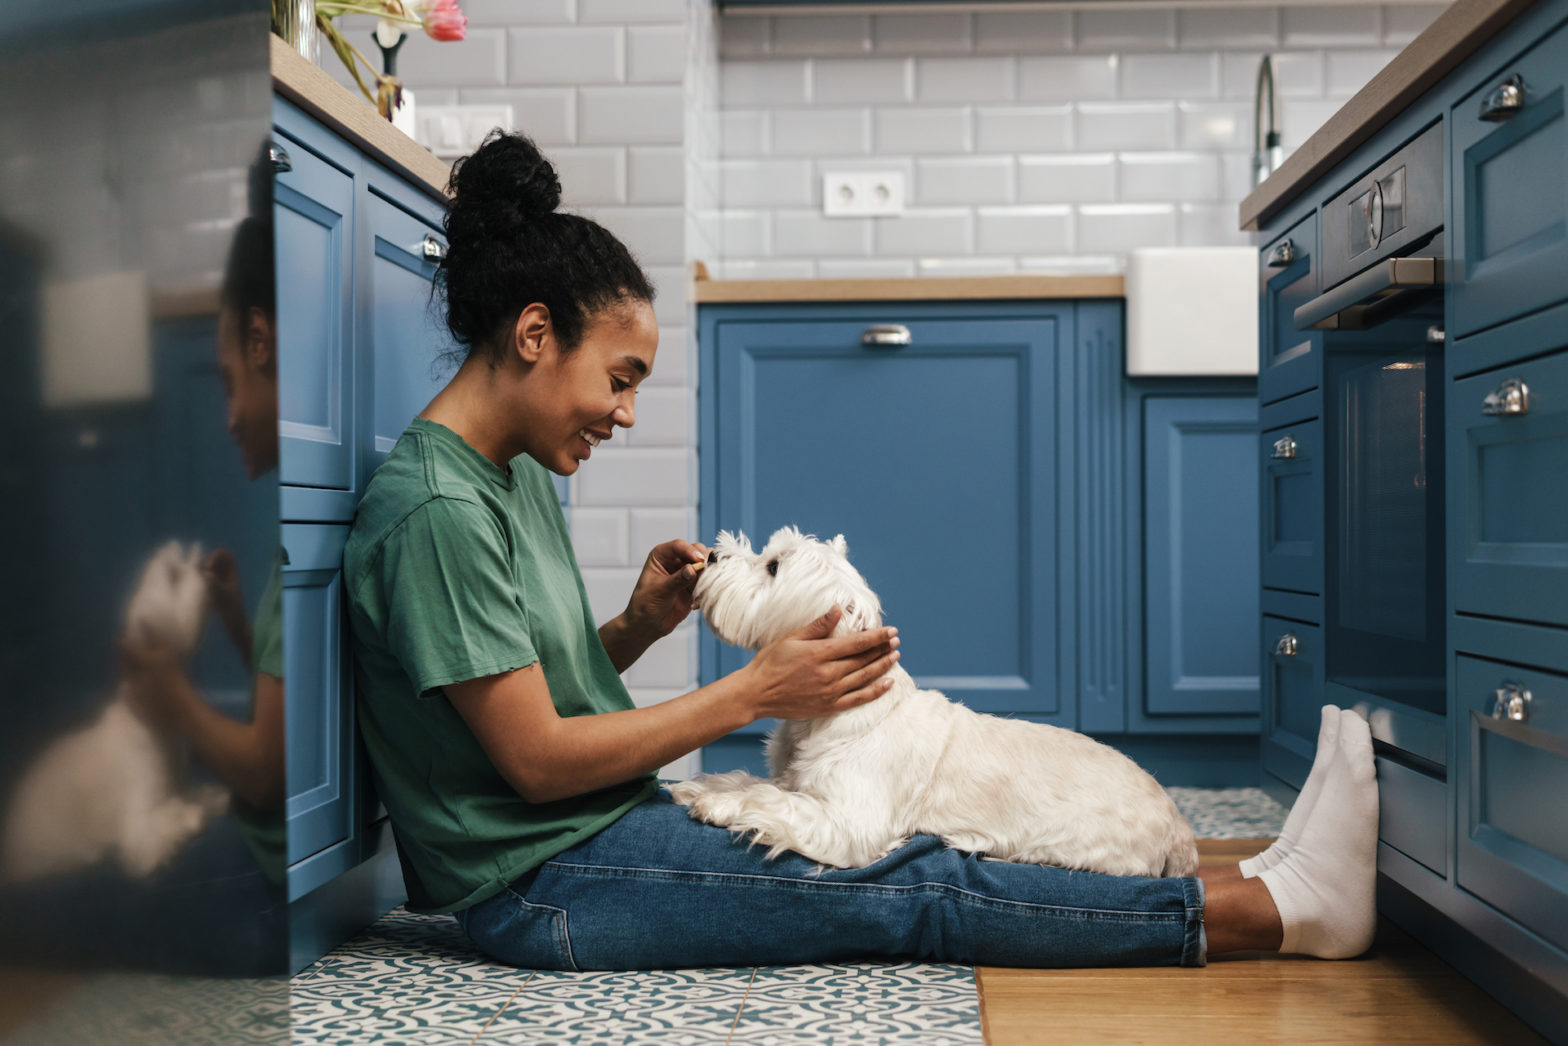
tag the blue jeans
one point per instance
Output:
(657, 890)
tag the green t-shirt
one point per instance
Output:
(264, 830)
(456, 569)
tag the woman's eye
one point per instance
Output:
(773, 568)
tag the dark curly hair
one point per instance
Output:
(508, 246)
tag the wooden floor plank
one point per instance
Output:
(1399, 992)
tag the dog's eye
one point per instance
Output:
(773, 568)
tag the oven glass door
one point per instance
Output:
(1386, 599)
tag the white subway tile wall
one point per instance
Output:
(1031, 140)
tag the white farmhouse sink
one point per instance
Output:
(1192, 311)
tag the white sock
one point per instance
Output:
(1326, 889)
(1296, 820)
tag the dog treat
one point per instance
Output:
(699, 565)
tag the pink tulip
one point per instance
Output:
(444, 21)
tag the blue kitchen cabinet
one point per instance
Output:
(357, 250)
(1289, 360)
(990, 476)
(935, 455)
(1200, 562)
(1473, 847)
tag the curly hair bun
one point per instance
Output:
(505, 179)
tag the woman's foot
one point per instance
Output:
(1296, 820)
(1325, 887)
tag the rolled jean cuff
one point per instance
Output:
(1195, 941)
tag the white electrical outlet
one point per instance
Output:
(859, 194)
(451, 131)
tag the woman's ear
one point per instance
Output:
(530, 332)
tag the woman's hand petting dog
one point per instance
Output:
(812, 672)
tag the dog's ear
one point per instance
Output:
(839, 545)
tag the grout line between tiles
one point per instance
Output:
(532, 974)
(736, 1022)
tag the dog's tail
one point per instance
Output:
(1182, 856)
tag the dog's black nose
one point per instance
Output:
(713, 557)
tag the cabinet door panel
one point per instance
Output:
(1200, 555)
(318, 709)
(947, 498)
(1292, 696)
(1292, 506)
(1511, 225)
(1513, 845)
(403, 337)
(1289, 360)
(1509, 550)
(313, 207)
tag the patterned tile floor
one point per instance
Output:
(416, 980)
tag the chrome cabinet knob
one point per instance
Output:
(1511, 397)
(433, 249)
(281, 164)
(1282, 255)
(1511, 701)
(1284, 448)
(1287, 645)
(885, 336)
(1505, 101)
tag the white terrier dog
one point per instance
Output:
(112, 787)
(847, 789)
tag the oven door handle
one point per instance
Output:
(1369, 298)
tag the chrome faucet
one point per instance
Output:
(1267, 153)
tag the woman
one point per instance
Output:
(519, 776)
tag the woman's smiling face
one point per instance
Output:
(591, 390)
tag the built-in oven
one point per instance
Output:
(1384, 642)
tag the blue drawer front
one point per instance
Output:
(1292, 507)
(1289, 360)
(1200, 555)
(1513, 837)
(1508, 477)
(956, 530)
(1510, 237)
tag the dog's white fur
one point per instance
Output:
(113, 787)
(848, 789)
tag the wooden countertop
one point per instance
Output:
(348, 113)
(1456, 34)
(917, 288)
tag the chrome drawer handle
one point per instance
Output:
(281, 164)
(1436, 335)
(1511, 397)
(1511, 701)
(1505, 101)
(433, 249)
(885, 335)
(1282, 255)
(1287, 645)
(1284, 448)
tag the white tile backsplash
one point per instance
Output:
(1348, 26)
(633, 115)
(812, 34)
(941, 33)
(812, 132)
(965, 180)
(1024, 230)
(1227, 27)
(1126, 125)
(1116, 228)
(1156, 177)
(1024, 129)
(1116, 29)
(1070, 178)
(589, 176)
(927, 231)
(656, 54)
(924, 129)
(1165, 75)
(599, 535)
(809, 234)
(855, 81)
(548, 115)
(567, 55)
(983, 78)
(1023, 32)
(636, 477)
(1067, 78)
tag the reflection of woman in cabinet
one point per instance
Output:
(520, 776)
(247, 757)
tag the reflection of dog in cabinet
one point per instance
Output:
(115, 787)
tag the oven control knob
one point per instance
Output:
(1511, 701)
(1375, 215)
